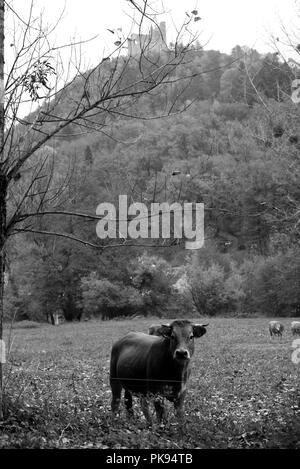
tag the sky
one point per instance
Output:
(223, 24)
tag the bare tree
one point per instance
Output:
(3, 189)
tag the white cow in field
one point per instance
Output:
(295, 327)
(276, 328)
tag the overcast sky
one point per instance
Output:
(224, 23)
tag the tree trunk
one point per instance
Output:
(3, 188)
(55, 319)
(52, 319)
(3, 192)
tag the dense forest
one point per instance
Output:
(233, 144)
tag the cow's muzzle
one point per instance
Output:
(182, 354)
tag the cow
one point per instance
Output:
(155, 329)
(276, 328)
(156, 365)
(295, 327)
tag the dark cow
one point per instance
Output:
(154, 364)
(276, 328)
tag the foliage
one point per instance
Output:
(38, 78)
(152, 276)
(106, 299)
(258, 285)
(213, 292)
(207, 289)
(236, 151)
(272, 287)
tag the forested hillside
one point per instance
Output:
(233, 144)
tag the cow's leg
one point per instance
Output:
(178, 406)
(128, 402)
(145, 408)
(116, 389)
(160, 410)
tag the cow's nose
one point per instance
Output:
(182, 354)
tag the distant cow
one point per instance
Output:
(295, 327)
(154, 329)
(276, 328)
(154, 364)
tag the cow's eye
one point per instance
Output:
(191, 337)
(173, 336)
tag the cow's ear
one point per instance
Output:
(165, 330)
(199, 329)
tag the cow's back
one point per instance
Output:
(134, 349)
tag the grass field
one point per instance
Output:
(243, 392)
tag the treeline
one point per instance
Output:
(236, 148)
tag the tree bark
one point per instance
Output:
(3, 192)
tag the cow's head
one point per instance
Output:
(181, 334)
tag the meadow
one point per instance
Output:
(243, 392)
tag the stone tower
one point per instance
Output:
(153, 42)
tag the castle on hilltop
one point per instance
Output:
(154, 42)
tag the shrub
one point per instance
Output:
(272, 285)
(152, 276)
(207, 289)
(101, 297)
